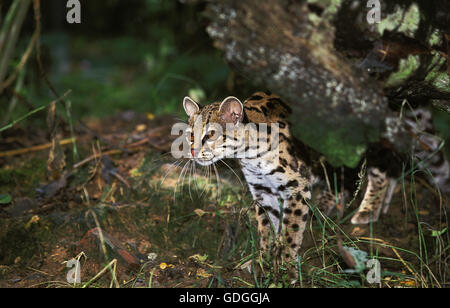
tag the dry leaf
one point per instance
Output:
(199, 212)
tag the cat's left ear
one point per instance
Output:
(232, 110)
(190, 106)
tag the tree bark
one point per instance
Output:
(284, 46)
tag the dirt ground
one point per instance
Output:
(132, 218)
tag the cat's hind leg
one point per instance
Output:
(375, 196)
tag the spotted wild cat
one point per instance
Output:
(278, 178)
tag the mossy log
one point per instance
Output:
(289, 48)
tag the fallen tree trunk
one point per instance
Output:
(287, 48)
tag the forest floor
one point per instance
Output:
(133, 217)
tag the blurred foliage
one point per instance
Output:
(112, 64)
(441, 121)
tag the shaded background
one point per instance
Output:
(139, 55)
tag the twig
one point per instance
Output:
(152, 133)
(34, 148)
(33, 112)
(120, 178)
(21, 98)
(37, 17)
(95, 156)
(386, 244)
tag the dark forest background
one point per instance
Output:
(139, 55)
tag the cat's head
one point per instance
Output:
(208, 127)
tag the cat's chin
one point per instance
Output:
(205, 162)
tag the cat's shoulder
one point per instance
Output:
(266, 105)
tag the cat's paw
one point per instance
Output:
(378, 195)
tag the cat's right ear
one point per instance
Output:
(190, 106)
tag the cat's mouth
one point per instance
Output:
(204, 158)
(204, 162)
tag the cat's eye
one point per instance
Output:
(211, 134)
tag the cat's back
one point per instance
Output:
(265, 107)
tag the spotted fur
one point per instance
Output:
(278, 179)
(427, 157)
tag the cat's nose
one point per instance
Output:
(194, 152)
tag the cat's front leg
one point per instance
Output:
(294, 219)
(267, 209)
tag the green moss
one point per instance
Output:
(440, 80)
(331, 6)
(409, 24)
(435, 38)
(341, 144)
(436, 77)
(406, 68)
(339, 153)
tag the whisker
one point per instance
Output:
(190, 178)
(217, 178)
(234, 172)
(185, 162)
(161, 157)
(184, 176)
(181, 120)
(195, 176)
(157, 163)
(154, 164)
(176, 184)
(173, 165)
(207, 175)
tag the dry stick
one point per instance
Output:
(35, 148)
(37, 17)
(386, 244)
(51, 116)
(98, 155)
(36, 40)
(121, 178)
(152, 133)
(95, 156)
(65, 142)
(103, 246)
(33, 112)
(21, 98)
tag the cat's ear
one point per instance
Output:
(231, 110)
(190, 106)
